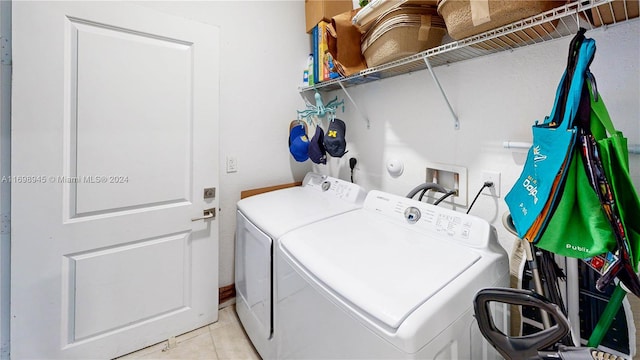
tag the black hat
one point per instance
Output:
(334, 141)
(317, 153)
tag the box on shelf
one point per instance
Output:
(618, 10)
(319, 10)
(402, 32)
(465, 18)
(343, 40)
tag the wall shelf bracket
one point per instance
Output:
(456, 122)
(366, 119)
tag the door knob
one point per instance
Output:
(207, 214)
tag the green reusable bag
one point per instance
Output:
(614, 155)
(578, 227)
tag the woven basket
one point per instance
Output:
(458, 16)
(617, 10)
(401, 33)
(519, 38)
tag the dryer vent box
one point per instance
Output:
(450, 177)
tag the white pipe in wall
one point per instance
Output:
(633, 149)
(516, 145)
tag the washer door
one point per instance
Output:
(253, 277)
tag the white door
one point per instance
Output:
(114, 139)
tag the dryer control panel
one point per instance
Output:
(334, 188)
(433, 220)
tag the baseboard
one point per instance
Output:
(226, 293)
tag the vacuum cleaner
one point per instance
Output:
(541, 345)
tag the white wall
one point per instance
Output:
(497, 98)
(263, 51)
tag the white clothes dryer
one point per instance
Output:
(395, 279)
(261, 221)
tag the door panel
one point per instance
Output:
(106, 284)
(114, 139)
(126, 84)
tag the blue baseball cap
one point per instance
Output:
(298, 141)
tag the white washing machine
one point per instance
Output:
(261, 221)
(395, 279)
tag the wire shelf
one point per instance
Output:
(553, 24)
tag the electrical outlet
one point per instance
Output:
(232, 164)
(494, 177)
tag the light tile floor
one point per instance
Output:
(222, 340)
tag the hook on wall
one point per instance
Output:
(320, 110)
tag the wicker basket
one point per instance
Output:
(519, 38)
(462, 22)
(618, 10)
(400, 33)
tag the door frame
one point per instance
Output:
(5, 171)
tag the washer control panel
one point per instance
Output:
(434, 220)
(334, 188)
(412, 214)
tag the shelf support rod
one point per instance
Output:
(366, 119)
(456, 123)
(306, 101)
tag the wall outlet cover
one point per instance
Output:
(494, 177)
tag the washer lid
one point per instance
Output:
(386, 269)
(280, 211)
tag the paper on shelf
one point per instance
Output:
(372, 10)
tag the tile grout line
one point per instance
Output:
(215, 347)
